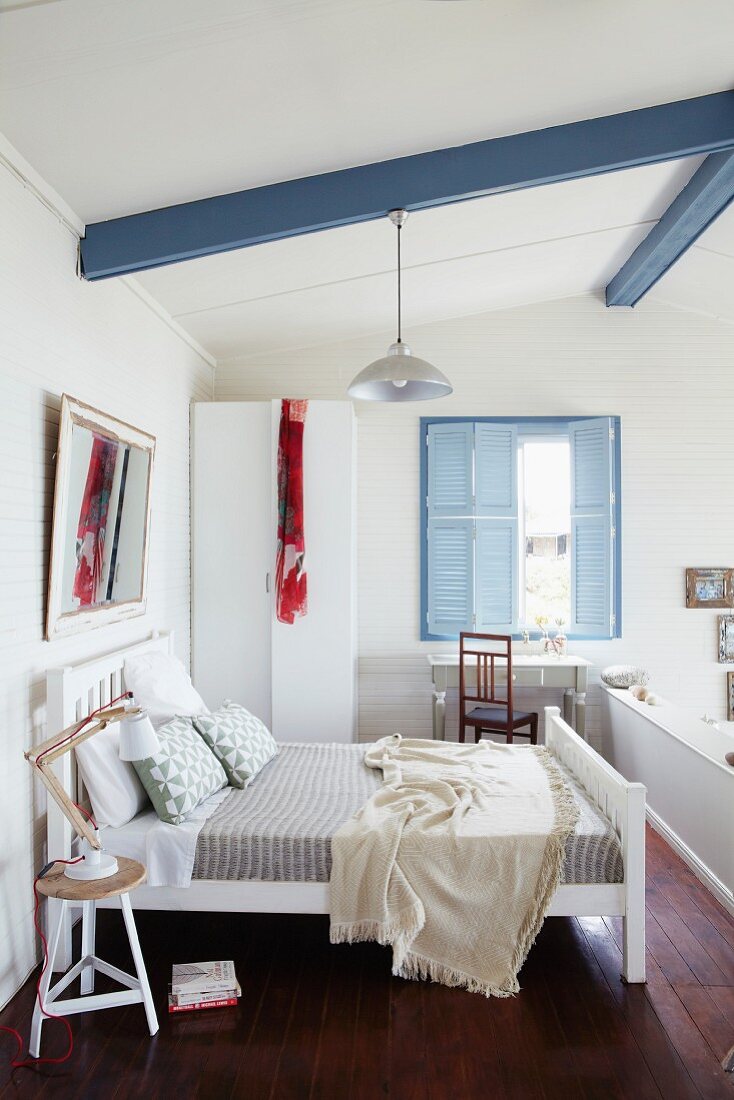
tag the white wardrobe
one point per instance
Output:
(301, 679)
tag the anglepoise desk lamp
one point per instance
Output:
(138, 740)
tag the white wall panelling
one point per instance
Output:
(667, 373)
(105, 345)
(690, 788)
(299, 678)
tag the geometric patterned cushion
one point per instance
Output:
(241, 741)
(182, 774)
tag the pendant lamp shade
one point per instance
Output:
(399, 375)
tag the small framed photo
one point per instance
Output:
(730, 696)
(726, 639)
(709, 588)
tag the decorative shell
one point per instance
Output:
(624, 676)
(653, 700)
(639, 692)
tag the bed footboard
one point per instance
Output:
(624, 804)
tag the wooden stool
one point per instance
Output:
(70, 891)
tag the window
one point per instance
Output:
(520, 519)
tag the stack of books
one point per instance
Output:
(203, 985)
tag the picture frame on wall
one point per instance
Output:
(710, 588)
(730, 696)
(726, 639)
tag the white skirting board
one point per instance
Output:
(700, 870)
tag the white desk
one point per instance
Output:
(569, 673)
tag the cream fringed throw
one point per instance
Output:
(455, 859)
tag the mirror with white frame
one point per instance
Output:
(99, 544)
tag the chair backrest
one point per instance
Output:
(486, 655)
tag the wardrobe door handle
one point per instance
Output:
(267, 582)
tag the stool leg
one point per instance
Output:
(89, 917)
(132, 935)
(53, 944)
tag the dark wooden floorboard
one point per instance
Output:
(716, 1029)
(629, 1064)
(323, 1022)
(658, 1049)
(336, 1055)
(604, 1048)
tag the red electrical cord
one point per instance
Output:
(17, 1061)
(87, 814)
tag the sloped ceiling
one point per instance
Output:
(126, 106)
(491, 253)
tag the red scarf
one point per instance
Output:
(290, 567)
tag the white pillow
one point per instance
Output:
(162, 686)
(115, 791)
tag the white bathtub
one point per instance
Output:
(690, 787)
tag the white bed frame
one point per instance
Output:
(73, 692)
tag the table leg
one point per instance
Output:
(439, 716)
(568, 706)
(581, 714)
(132, 935)
(53, 944)
(89, 917)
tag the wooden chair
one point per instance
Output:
(494, 714)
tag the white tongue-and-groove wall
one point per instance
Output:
(102, 344)
(669, 374)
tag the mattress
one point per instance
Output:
(279, 829)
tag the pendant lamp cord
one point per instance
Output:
(398, 286)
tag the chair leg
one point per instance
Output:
(53, 945)
(132, 935)
(510, 738)
(462, 731)
(88, 948)
(534, 730)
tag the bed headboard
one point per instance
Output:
(71, 693)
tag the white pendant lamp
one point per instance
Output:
(399, 375)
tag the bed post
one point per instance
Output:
(550, 714)
(633, 854)
(58, 828)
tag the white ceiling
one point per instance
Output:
(126, 105)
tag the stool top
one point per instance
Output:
(55, 884)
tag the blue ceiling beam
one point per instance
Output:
(280, 210)
(705, 196)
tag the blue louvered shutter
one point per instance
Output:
(495, 446)
(496, 558)
(450, 575)
(450, 453)
(496, 575)
(450, 528)
(591, 526)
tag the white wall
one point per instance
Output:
(102, 344)
(669, 375)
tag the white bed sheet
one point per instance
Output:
(167, 851)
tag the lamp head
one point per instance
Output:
(138, 739)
